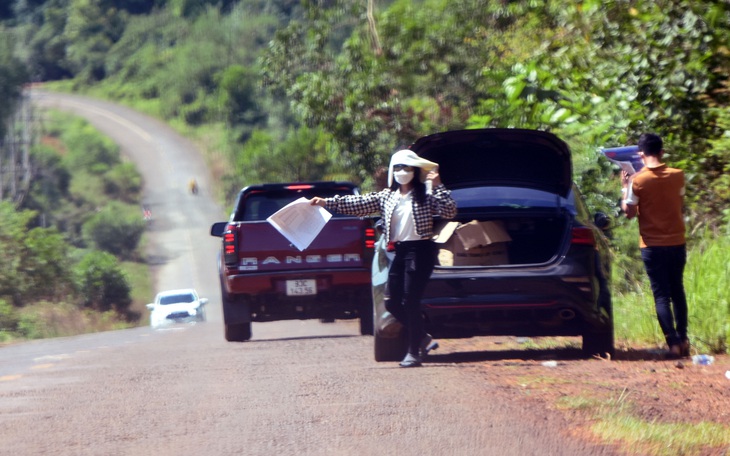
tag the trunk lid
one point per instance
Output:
(499, 157)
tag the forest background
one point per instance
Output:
(289, 90)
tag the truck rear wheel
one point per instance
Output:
(366, 319)
(238, 333)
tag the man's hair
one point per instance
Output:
(651, 144)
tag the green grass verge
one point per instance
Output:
(662, 439)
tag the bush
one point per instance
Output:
(8, 320)
(101, 283)
(123, 182)
(88, 149)
(116, 229)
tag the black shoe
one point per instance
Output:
(684, 348)
(411, 361)
(427, 344)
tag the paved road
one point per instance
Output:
(298, 388)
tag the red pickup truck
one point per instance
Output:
(265, 278)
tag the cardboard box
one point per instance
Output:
(472, 244)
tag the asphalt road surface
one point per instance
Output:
(297, 388)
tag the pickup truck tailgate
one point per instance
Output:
(340, 244)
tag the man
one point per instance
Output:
(655, 194)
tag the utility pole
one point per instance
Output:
(15, 172)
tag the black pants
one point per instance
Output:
(407, 279)
(665, 268)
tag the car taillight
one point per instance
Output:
(369, 238)
(299, 187)
(230, 246)
(583, 236)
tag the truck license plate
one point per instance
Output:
(303, 287)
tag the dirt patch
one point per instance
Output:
(641, 382)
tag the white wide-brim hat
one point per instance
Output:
(409, 158)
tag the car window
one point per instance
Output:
(509, 198)
(177, 299)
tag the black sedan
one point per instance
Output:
(523, 256)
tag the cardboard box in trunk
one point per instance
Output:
(472, 244)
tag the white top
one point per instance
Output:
(403, 224)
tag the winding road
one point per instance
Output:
(297, 388)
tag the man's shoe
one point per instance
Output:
(427, 344)
(684, 348)
(411, 361)
(675, 352)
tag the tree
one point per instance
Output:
(34, 262)
(240, 100)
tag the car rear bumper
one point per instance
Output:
(339, 294)
(514, 304)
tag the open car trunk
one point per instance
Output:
(501, 241)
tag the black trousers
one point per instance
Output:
(407, 278)
(665, 268)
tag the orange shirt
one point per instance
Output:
(659, 192)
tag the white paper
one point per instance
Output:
(625, 166)
(300, 222)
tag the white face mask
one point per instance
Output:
(403, 177)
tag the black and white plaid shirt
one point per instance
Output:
(438, 203)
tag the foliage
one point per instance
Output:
(117, 228)
(302, 155)
(101, 282)
(86, 149)
(8, 320)
(123, 182)
(46, 289)
(240, 101)
(34, 261)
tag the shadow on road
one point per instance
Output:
(503, 355)
(279, 339)
(557, 354)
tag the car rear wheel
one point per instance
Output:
(238, 333)
(390, 348)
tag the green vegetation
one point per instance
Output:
(60, 252)
(288, 90)
(662, 439)
(616, 423)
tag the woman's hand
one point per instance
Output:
(433, 176)
(317, 201)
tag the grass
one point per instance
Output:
(615, 423)
(662, 439)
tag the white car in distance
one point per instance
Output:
(177, 306)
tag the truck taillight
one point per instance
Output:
(583, 236)
(230, 246)
(369, 238)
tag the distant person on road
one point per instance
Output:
(655, 195)
(407, 209)
(193, 186)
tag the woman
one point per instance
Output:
(407, 208)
